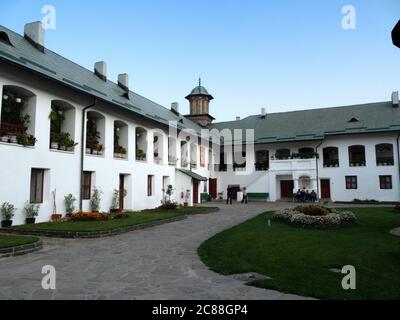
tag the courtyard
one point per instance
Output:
(156, 263)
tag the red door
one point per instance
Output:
(325, 189)
(213, 188)
(287, 189)
(121, 191)
(195, 192)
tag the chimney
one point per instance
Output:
(100, 70)
(123, 82)
(175, 107)
(263, 113)
(395, 99)
(34, 34)
(237, 118)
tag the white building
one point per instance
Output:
(123, 141)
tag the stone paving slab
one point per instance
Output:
(156, 263)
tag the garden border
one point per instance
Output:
(94, 234)
(21, 250)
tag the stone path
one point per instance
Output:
(156, 263)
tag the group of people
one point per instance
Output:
(306, 196)
(230, 195)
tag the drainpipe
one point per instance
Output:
(83, 151)
(316, 160)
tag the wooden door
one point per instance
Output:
(121, 191)
(287, 187)
(325, 189)
(234, 191)
(213, 188)
(195, 192)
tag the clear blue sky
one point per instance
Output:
(282, 55)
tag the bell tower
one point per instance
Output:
(199, 100)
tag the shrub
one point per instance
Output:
(96, 200)
(88, 216)
(168, 205)
(69, 201)
(313, 210)
(330, 220)
(31, 210)
(7, 210)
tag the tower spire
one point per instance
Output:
(199, 81)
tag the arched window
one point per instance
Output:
(120, 140)
(262, 160)
(357, 156)
(384, 154)
(95, 133)
(331, 157)
(306, 153)
(282, 154)
(18, 116)
(141, 144)
(62, 126)
(158, 146)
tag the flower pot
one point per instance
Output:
(70, 149)
(4, 139)
(6, 223)
(95, 152)
(54, 145)
(30, 220)
(88, 151)
(13, 139)
(63, 148)
(100, 153)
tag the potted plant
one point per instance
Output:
(4, 136)
(69, 201)
(115, 205)
(31, 212)
(13, 138)
(96, 200)
(54, 139)
(7, 212)
(140, 155)
(100, 150)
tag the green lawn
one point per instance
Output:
(298, 260)
(135, 218)
(7, 241)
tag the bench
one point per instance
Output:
(258, 196)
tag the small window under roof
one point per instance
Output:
(353, 120)
(4, 38)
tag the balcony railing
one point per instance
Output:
(12, 128)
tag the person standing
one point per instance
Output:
(245, 196)
(229, 195)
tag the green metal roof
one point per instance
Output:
(58, 68)
(200, 91)
(316, 124)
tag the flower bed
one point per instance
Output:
(331, 219)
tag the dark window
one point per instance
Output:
(262, 160)
(282, 154)
(384, 154)
(357, 156)
(331, 157)
(37, 181)
(4, 38)
(149, 186)
(87, 185)
(351, 182)
(385, 182)
(306, 153)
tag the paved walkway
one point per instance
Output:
(156, 263)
